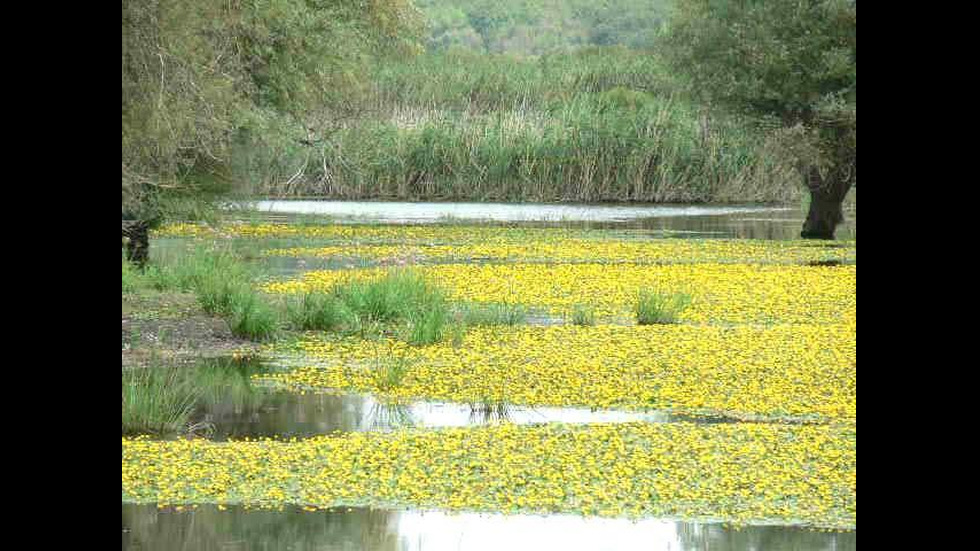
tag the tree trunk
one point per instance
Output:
(138, 241)
(826, 204)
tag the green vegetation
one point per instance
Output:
(582, 315)
(536, 27)
(795, 63)
(315, 310)
(389, 370)
(157, 400)
(213, 94)
(475, 315)
(162, 399)
(597, 124)
(253, 318)
(653, 307)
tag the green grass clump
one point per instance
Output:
(157, 400)
(188, 271)
(316, 311)
(162, 399)
(654, 307)
(401, 297)
(493, 314)
(252, 317)
(389, 371)
(219, 297)
(427, 326)
(582, 315)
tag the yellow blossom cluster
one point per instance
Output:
(776, 372)
(562, 250)
(741, 473)
(721, 293)
(367, 233)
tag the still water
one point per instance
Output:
(289, 414)
(402, 212)
(361, 528)
(718, 221)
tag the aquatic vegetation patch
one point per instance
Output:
(562, 250)
(720, 293)
(428, 234)
(740, 473)
(454, 243)
(781, 371)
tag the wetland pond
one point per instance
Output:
(740, 221)
(257, 410)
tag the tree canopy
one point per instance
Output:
(197, 74)
(794, 61)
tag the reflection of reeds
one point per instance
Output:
(390, 415)
(156, 400)
(489, 412)
(163, 399)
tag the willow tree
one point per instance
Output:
(793, 61)
(197, 76)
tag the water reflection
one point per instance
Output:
(145, 527)
(402, 212)
(289, 414)
(685, 221)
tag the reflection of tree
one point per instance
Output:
(718, 537)
(146, 528)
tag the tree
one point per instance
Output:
(791, 61)
(197, 76)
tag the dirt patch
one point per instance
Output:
(171, 327)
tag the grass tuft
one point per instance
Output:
(653, 307)
(316, 311)
(157, 400)
(493, 314)
(582, 315)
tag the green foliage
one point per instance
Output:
(131, 277)
(492, 314)
(252, 317)
(189, 270)
(157, 400)
(582, 315)
(781, 58)
(653, 307)
(162, 399)
(389, 370)
(398, 296)
(600, 124)
(427, 326)
(197, 76)
(527, 27)
(795, 62)
(316, 311)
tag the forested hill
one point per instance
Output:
(534, 27)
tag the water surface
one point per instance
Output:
(685, 221)
(344, 529)
(404, 212)
(290, 414)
